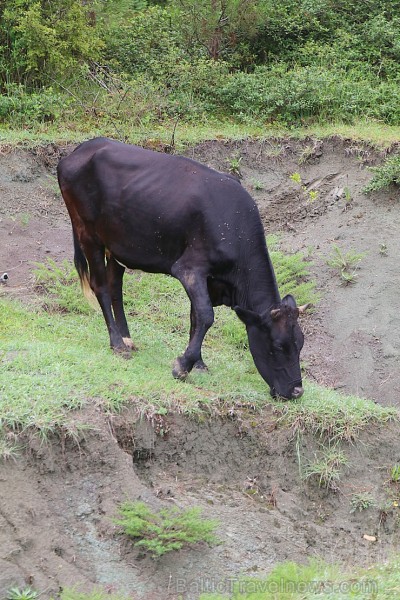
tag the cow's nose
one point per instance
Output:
(297, 392)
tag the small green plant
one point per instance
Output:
(234, 165)
(16, 593)
(257, 185)
(395, 473)
(383, 251)
(361, 501)
(24, 219)
(348, 198)
(311, 195)
(296, 177)
(307, 153)
(345, 263)
(169, 529)
(385, 175)
(326, 467)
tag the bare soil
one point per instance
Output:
(57, 502)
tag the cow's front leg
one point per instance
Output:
(199, 365)
(202, 317)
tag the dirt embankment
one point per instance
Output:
(56, 503)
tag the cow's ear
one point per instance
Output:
(248, 316)
(289, 301)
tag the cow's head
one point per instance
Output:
(275, 341)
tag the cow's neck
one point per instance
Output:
(256, 287)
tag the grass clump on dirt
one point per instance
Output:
(326, 467)
(157, 533)
(362, 501)
(345, 263)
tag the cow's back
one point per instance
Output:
(149, 207)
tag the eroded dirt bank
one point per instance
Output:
(57, 505)
(57, 502)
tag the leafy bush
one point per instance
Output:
(44, 41)
(169, 529)
(385, 175)
(308, 93)
(19, 107)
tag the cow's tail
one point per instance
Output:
(82, 267)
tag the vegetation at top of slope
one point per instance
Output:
(143, 63)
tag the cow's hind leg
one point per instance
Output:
(99, 284)
(202, 317)
(115, 273)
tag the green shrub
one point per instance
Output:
(164, 531)
(42, 41)
(19, 107)
(307, 94)
(385, 175)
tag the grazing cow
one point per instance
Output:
(138, 209)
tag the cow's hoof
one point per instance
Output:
(123, 352)
(178, 371)
(129, 344)
(200, 366)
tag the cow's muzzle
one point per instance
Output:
(296, 393)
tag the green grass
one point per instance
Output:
(326, 467)
(188, 134)
(328, 414)
(57, 359)
(317, 580)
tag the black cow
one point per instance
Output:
(138, 209)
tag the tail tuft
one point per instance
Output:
(81, 266)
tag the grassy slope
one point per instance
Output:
(58, 359)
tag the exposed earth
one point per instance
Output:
(56, 502)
